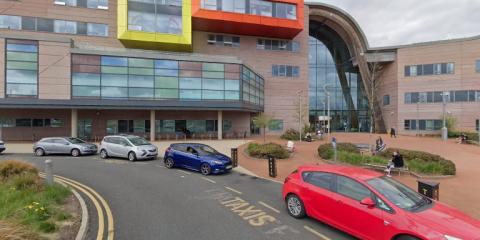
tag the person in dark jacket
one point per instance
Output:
(396, 162)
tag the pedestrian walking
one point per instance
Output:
(393, 133)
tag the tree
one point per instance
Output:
(262, 121)
(301, 112)
(375, 70)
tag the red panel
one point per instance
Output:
(246, 24)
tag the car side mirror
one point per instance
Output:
(368, 202)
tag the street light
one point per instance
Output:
(445, 95)
(328, 104)
(300, 114)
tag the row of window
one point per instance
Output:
(29, 122)
(223, 40)
(423, 125)
(166, 126)
(429, 69)
(285, 71)
(477, 66)
(95, 4)
(53, 25)
(280, 45)
(21, 68)
(109, 77)
(437, 97)
(254, 7)
(162, 16)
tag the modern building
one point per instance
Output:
(164, 69)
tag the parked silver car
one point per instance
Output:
(2, 146)
(127, 146)
(63, 145)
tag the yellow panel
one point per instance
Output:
(157, 41)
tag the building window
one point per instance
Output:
(276, 125)
(21, 68)
(423, 125)
(429, 69)
(477, 66)
(28, 122)
(477, 125)
(410, 125)
(95, 4)
(54, 26)
(437, 97)
(223, 40)
(255, 7)
(280, 45)
(285, 71)
(155, 16)
(109, 77)
(386, 100)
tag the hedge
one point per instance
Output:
(264, 150)
(420, 162)
(290, 134)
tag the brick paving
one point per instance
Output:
(461, 191)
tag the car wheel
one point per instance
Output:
(295, 206)
(406, 237)
(75, 152)
(169, 163)
(39, 152)
(205, 169)
(132, 157)
(103, 154)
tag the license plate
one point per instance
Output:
(229, 167)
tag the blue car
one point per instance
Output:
(197, 157)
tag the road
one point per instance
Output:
(149, 201)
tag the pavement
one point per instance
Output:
(149, 201)
(460, 191)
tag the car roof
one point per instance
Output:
(189, 144)
(356, 173)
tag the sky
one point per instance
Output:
(399, 22)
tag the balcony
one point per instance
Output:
(257, 19)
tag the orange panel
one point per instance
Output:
(246, 24)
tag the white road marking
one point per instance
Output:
(208, 179)
(233, 190)
(316, 233)
(268, 206)
(188, 173)
(160, 166)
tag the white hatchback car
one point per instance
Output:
(127, 146)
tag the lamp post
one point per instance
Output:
(300, 113)
(445, 95)
(328, 107)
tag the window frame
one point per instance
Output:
(306, 175)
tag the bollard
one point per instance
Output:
(234, 153)
(334, 146)
(272, 166)
(49, 171)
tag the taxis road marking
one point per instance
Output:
(233, 190)
(188, 173)
(268, 206)
(316, 233)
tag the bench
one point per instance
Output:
(403, 169)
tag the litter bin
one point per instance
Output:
(272, 166)
(429, 189)
(234, 154)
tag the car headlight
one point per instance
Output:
(217, 162)
(84, 148)
(447, 237)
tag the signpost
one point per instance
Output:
(272, 166)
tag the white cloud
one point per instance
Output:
(391, 22)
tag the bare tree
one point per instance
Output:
(375, 69)
(301, 112)
(262, 121)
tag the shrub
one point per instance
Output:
(25, 181)
(291, 134)
(12, 231)
(264, 150)
(10, 168)
(325, 151)
(470, 135)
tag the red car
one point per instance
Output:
(370, 205)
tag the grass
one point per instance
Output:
(27, 201)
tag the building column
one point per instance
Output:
(74, 123)
(220, 125)
(152, 125)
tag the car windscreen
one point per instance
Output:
(399, 194)
(138, 141)
(75, 140)
(206, 150)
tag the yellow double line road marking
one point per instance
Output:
(98, 205)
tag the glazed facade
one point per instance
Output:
(170, 69)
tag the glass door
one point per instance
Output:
(85, 129)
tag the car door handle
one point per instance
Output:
(386, 223)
